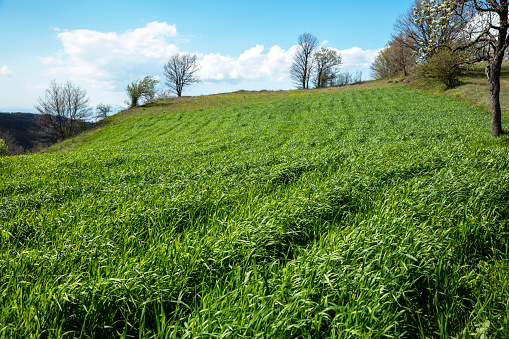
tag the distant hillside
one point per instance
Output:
(20, 125)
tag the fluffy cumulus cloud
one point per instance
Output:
(357, 58)
(5, 71)
(107, 60)
(252, 64)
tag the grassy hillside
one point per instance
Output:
(372, 213)
(474, 87)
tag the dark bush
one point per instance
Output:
(444, 66)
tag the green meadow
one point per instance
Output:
(374, 213)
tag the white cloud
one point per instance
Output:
(253, 64)
(5, 71)
(357, 58)
(109, 60)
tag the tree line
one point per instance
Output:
(441, 38)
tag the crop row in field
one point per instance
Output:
(371, 213)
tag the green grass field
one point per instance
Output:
(375, 213)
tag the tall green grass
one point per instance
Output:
(374, 213)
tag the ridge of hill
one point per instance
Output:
(474, 89)
(213, 101)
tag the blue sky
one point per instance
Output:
(104, 45)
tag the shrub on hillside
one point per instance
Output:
(4, 150)
(444, 66)
(141, 91)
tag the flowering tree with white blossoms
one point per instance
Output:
(437, 17)
(485, 31)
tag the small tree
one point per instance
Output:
(63, 110)
(343, 79)
(326, 62)
(382, 66)
(181, 71)
(302, 64)
(141, 91)
(102, 111)
(445, 66)
(4, 150)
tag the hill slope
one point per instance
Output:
(19, 125)
(371, 213)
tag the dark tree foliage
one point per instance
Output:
(445, 66)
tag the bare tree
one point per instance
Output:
(358, 77)
(63, 110)
(181, 71)
(102, 111)
(343, 79)
(302, 65)
(326, 62)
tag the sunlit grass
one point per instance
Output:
(372, 213)
(189, 104)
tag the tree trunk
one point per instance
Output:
(304, 76)
(494, 67)
(493, 70)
